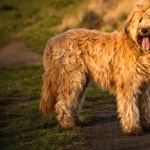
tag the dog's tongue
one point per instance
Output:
(146, 43)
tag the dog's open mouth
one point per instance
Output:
(144, 42)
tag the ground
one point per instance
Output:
(102, 132)
(15, 54)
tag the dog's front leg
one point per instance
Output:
(128, 112)
(144, 105)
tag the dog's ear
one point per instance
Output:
(127, 23)
(126, 28)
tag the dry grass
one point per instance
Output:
(112, 14)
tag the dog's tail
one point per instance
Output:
(48, 98)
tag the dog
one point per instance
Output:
(117, 61)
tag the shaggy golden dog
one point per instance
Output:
(119, 62)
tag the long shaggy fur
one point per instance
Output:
(119, 62)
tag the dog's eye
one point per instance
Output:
(140, 20)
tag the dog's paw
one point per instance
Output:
(146, 127)
(134, 131)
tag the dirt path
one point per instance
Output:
(103, 132)
(15, 54)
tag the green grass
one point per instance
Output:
(33, 21)
(24, 82)
(22, 125)
(94, 92)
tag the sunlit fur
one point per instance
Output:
(115, 61)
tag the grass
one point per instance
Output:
(33, 21)
(24, 82)
(22, 125)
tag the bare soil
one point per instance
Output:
(16, 54)
(102, 132)
(105, 133)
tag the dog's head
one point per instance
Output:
(137, 25)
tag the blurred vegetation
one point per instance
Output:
(91, 20)
(34, 22)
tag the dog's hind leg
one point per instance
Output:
(82, 96)
(129, 114)
(145, 108)
(71, 87)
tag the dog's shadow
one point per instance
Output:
(99, 120)
(109, 121)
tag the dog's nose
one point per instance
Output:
(144, 30)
